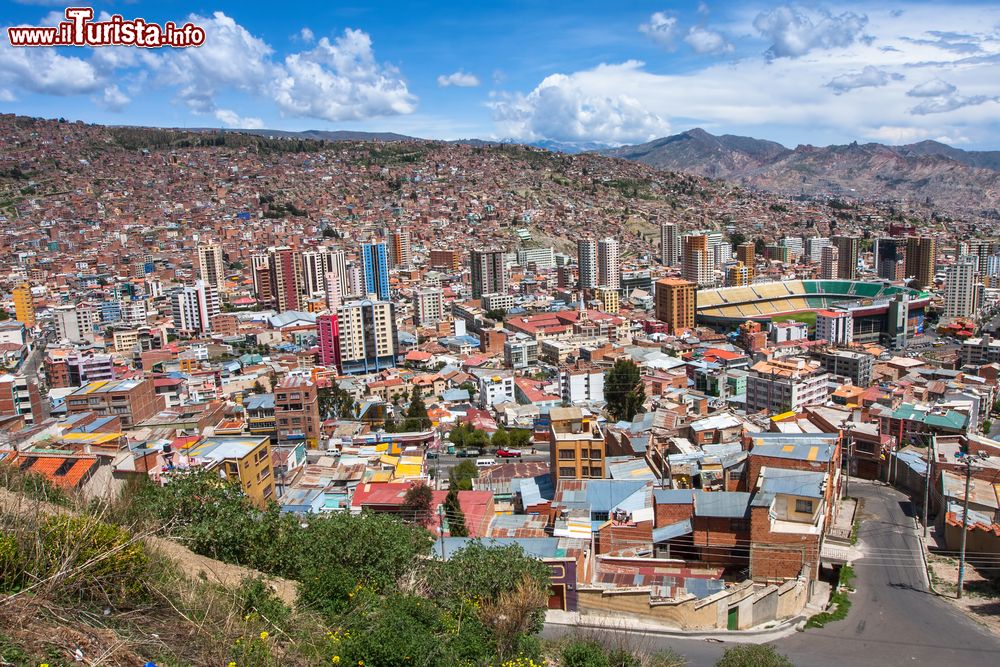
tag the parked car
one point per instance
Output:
(485, 463)
(468, 453)
(432, 455)
(509, 453)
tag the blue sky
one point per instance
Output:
(611, 72)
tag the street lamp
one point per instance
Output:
(967, 460)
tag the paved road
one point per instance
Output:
(894, 619)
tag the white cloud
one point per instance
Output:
(662, 28)
(795, 31)
(6, 95)
(231, 57)
(114, 99)
(459, 78)
(230, 118)
(341, 80)
(43, 70)
(306, 35)
(566, 108)
(896, 135)
(932, 88)
(703, 40)
(948, 103)
(869, 77)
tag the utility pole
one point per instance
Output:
(967, 460)
(441, 529)
(932, 448)
(847, 477)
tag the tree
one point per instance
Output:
(258, 388)
(987, 425)
(417, 504)
(456, 518)
(624, 391)
(501, 439)
(416, 417)
(520, 438)
(753, 655)
(496, 314)
(759, 246)
(461, 476)
(737, 239)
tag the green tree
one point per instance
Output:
(456, 518)
(461, 476)
(258, 388)
(417, 504)
(459, 434)
(737, 239)
(496, 314)
(520, 438)
(415, 417)
(759, 246)
(753, 655)
(987, 425)
(500, 439)
(624, 391)
(477, 439)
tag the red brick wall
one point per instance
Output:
(612, 539)
(670, 514)
(769, 559)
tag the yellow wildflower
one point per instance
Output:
(263, 635)
(335, 659)
(232, 663)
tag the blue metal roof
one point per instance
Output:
(604, 495)
(673, 496)
(537, 547)
(664, 533)
(722, 504)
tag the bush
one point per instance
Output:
(753, 655)
(402, 630)
(11, 563)
(583, 653)
(94, 560)
(32, 485)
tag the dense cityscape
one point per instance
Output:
(678, 398)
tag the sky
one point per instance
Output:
(532, 70)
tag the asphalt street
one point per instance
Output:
(894, 618)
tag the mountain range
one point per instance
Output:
(926, 171)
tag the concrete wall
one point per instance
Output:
(756, 604)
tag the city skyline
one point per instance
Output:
(536, 72)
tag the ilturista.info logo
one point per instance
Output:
(80, 29)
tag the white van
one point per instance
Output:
(485, 463)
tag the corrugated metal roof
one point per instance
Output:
(664, 533)
(722, 504)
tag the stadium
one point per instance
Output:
(869, 303)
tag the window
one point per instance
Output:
(567, 455)
(803, 506)
(599, 516)
(567, 472)
(596, 472)
(595, 454)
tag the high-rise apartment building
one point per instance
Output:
(829, 263)
(446, 260)
(697, 260)
(670, 244)
(328, 332)
(921, 260)
(76, 323)
(210, 265)
(24, 305)
(400, 252)
(960, 287)
(368, 336)
(489, 272)
(428, 306)
(847, 256)
(586, 258)
(375, 264)
(889, 258)
(609, 268)
(286, 278)
(737, 274)
(814, 248)
(577, 449)
(675, 303)
(747, 253)
(193, 307)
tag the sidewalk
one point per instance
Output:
(630, 624)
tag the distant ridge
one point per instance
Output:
(926, 171)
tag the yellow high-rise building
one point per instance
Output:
(24, 305)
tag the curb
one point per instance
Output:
(783, 629)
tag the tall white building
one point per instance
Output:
(835, 327)
(794, 245)
(542, 258)
(960, 287)
(586, 257)
(369, 340)
(609, 265)
(75, 322)
(814, 248)
(210, 265)
(670, 244)
(194, 307)
(428, 307)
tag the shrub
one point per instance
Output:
(11, 563)
(753, 655)
(94, 560)
(401, 630)
(583, 653)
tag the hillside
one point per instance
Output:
(962, 182)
